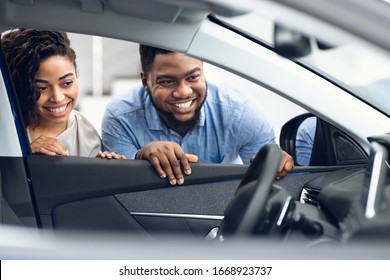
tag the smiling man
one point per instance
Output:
(177, 117)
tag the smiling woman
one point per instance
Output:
(56, 83)
(43, 67)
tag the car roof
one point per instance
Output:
(181, 19)
(137, 21)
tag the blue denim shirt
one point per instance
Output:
(231, 129)
(304, 141)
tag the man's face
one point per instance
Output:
(177, 87)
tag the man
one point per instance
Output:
(177, 117)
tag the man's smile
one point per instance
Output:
(183, 106)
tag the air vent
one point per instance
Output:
(310, 196)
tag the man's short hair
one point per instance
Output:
(147, 54)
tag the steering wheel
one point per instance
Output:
(245, 213)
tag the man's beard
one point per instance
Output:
(181, 127)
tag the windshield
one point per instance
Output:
(356, 65)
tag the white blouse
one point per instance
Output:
(80, 137)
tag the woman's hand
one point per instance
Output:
(47, 145)
(109, 155)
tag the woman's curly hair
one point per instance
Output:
(24, 50)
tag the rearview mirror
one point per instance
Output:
(290, 43)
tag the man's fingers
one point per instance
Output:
(161, 166)
(176, 163)
(185, 161)
(191, 157)
(168, 160)
(285, 166)
(289, 162)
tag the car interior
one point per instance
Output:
(217, 201)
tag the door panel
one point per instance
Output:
(58, 180)
(16, 191)
(92, 193)
(159, 226)
(101, 213)
(127, 195)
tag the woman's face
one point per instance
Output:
(56, 80)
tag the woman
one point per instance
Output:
(43, 67)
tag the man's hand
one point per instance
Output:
(48, 146)
(168, 159)
(285, 166)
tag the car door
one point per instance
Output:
(122, 195)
